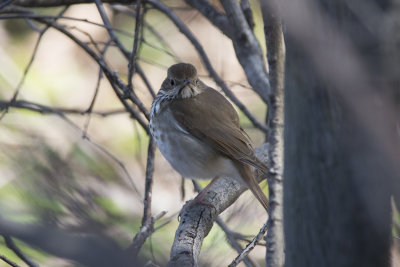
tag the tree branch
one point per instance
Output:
(242, 256)
(126, 93)
(147, 227)
(8, 261)
(248, 50)
(275, 256)
(133, 55)
(230, 235)
(196, 220)
(22, 104)
(212, 14)
(11, 245)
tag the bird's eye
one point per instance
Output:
(172, 82)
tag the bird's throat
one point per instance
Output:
(187, 92)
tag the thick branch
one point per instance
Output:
(197, 220)
(212, 14)
(248, 50)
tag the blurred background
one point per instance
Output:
(72, 158)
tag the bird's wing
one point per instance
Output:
(210, 118)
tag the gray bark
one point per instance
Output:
(275, 256)
(341, 153)
(196, 220)
(248, 50)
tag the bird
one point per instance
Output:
(197, 130)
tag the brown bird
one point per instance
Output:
(198, 132)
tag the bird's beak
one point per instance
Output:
(184, 84)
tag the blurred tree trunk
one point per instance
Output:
(339, 173)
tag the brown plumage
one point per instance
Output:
(212, 141)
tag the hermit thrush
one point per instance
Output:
(198, 132)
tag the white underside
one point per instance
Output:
(187, 155)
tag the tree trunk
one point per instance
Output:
(339, 168)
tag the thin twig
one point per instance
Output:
(132, 56)
(11, 245)
(147, 227)
(233, 243)
(43, 109)
(96, 91)
(26, 14)
(245, 6)
(60, 112)
(8, 261)
(114, 80)
(6, 3)
(250, 246)
(125, 89)
(217, 18)
(149, 182)
(28, 66)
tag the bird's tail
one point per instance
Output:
(248, 177)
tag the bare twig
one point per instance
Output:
(28, 66)
(114, 80)
(125, 89)
(90, 108)
(232, 240)
(96, 91)
(132, 56)
(15, 12)
(60, 113)
(43, 109)
(248, 14)
(8, 261)
(212, 14)
(250, 246)
(6, 3)
(147, 227)
(149, 182)
(246, 46)
(11, 245)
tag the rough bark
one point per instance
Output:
(339, 163)
(247, 49)
(197, 220)
(275, 256)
